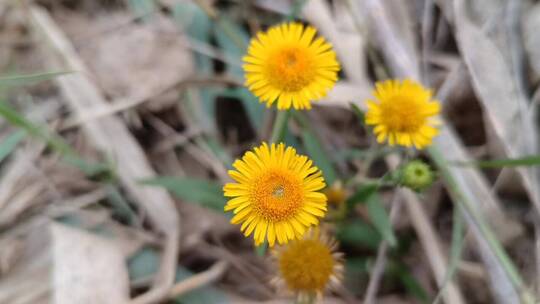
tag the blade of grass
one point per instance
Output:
(234, 40)
(54, 142)
(358, 233)
(533, 160)
(19, 80)
(478, 220)
(458, 242)
(315, 149)
(380, 219)
(142, 8)
(10, 143)
(362, 194)
(203, 192)
(410, 283)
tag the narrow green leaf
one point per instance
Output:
(254, 109)
(214, 146)
(296, 9)
(53, 141)
(358, 233)
(315, 149)
(380, 219)
(18, 120)
(362, 194)
(121, 206)
(198, 25)
(359, 113)
(357, 265)
(410, 283)
(319, 156)
(143, 264)
(458, 241)
(233, 39)
(142, 8)
(19, 80)
(532, 160)
(10, 143)
(206, 193)
(202, 295)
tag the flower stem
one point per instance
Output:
(280, 125)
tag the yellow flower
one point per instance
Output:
(309, 266)
(288, 64)
(336, 194)
(403, 113)
(275, 194)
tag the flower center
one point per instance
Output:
(402, 114)
(306, 265)
(290, 69)
(277, 195)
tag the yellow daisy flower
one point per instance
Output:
(276, 194)
(288, 64)
(403, 113)
(309, 266)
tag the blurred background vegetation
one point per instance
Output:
(120, 118)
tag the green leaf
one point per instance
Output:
(233, 39)
(532, 160)
(219, 151)
(319, 156)
(196, 23)
(121, 206)
(142, 8)
(296, 9)
(143, 264)
(458, 241)
(362, 194)
(380, 219)
(254, 109)
(358, 233)
(410, 283)
(356, 265)
(206, 193)
(10, 143)
(53, 141)
(359, 113)
(356, 274)
(202, 295)
(19, 80)
(315, 149)
(18, 120)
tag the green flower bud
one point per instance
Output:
(417, 175)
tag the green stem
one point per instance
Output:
(280, 126)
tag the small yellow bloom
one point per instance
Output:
(276, 194)
(336, 194)
(403, 113)
(309, 266)
(288, 64)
